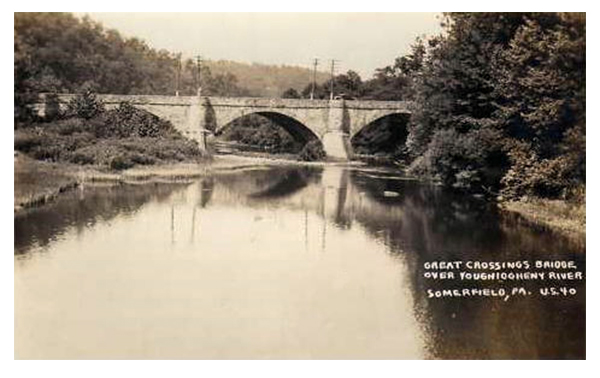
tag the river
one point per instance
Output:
(282, 262)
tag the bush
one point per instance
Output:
(136, 150)
(531, 176)
(25, 141)
(121, 162)
(469, 161)
(81, 158)
(313, 151)
(23, 111)
(143, 159)
(85, 105)
(128, 121)
(72, 125)
(50, 152)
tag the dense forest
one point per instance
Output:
(501, 104)
(499, 97)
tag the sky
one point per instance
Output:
(359, 41)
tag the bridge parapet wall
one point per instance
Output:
(113, 100)
(272, 103)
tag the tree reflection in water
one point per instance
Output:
(83, 209)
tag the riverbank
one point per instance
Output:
(563, 217)
(38, 182)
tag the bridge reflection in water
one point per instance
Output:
(290, 262)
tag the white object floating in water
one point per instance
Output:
(388, 193)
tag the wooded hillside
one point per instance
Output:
(265, 80)
(58, 52)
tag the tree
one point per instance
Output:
(500, 104)
(349, 84)
(454, 135)
(321, 91)
(396, 82)
(291, 93)
(541, 80)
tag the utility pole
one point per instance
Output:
(331, 85)
(199, 73)
(178, 75)
(314, 81)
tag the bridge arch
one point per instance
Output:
(298, 130)
(382, 134)
(362, 118)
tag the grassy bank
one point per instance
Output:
(561, 216)
(37, 182)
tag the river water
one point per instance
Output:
(282, 262)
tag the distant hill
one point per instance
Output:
(263, 80)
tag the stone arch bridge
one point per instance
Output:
(333, 122)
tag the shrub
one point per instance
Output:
(81, 158)
(25, 141)
(530, 175)
(464, 161)
(23, 110)
(121, 162)
(72, 125)
(49, 152)
(136, 150)
(85, 105)
(143, 159)
(128, 121)
(312, 151)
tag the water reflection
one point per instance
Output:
(82, 209)
(279, 262)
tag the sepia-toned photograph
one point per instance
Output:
(300, 186)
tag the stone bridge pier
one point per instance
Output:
(333, 122)
(336, 139)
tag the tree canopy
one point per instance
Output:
(500, 104)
